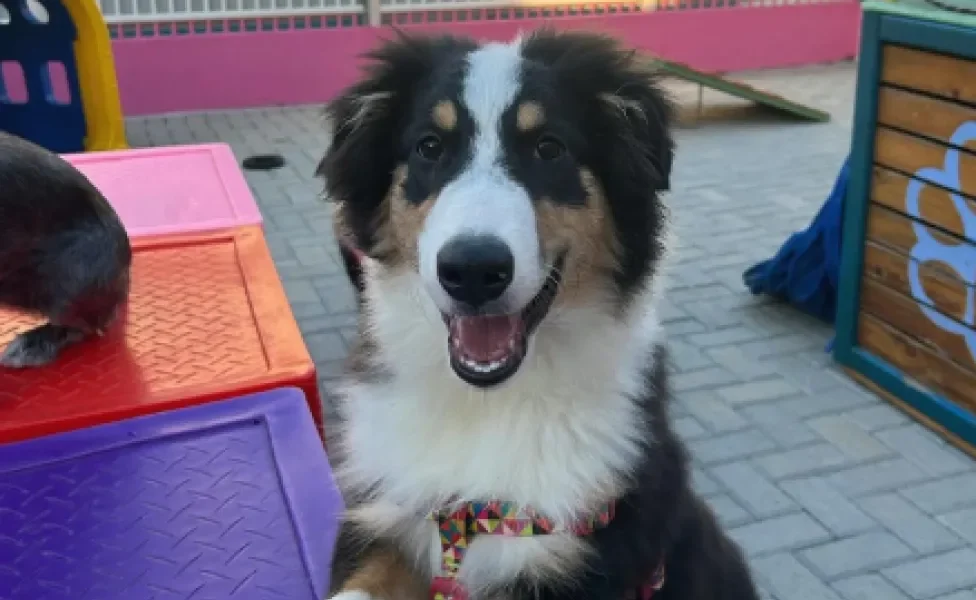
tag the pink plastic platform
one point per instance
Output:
(173, 189)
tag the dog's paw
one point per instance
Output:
(37, 347)
(353, 595)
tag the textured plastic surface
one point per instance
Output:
(232, 500)
(207, 319)
(172, 190)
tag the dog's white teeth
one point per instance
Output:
(482, 367)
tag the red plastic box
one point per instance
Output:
(207, 319)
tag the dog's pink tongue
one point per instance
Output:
(485, 339)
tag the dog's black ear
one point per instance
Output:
(629, 103)
(645, 113)
(365, 121)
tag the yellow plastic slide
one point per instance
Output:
(96, 78)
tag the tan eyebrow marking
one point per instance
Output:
(530, 115)
(445, 115)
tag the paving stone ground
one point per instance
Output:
(833, 494)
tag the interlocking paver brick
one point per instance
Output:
(847, 436)
(712, 412)
(918, 530)
(873, 418)
(707, 378)
(809, 460)
(681, 325)
(935, 575)
(868, 587)
(797, 530)
(305, 310)
(756, 493)
(725, 337)
(830, 507)
(779, 424)
(705, 484)
(784, 345)
(688, 357)
(944, 495)
(840, 398)
(877, 477)
(750, 373)
(960, 595)
(714, 314)
(301, 291)
(788, 579)
(728, 511)
(731, 446)
(758, 391)
(864, 552)
(933, 455)
(733, 359)
(688, 428)
(963, 522)
(326, 347)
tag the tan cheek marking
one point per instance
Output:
(384, 574)
(529, 116)
(406, 220)
(588, 234)
(445, 115)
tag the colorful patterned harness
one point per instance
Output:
(457, 525)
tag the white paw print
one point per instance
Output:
(960, 258)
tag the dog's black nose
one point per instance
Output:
(475, 269)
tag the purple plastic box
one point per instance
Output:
(231, 500)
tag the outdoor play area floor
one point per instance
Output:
(833, 494)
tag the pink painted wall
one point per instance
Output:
(239, 70)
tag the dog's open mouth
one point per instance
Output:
(488, 349)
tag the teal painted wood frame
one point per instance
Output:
(878, 29)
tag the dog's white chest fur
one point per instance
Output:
(558, 462)
(559, 437)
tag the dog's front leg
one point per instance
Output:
(372, 570)
(382, 575)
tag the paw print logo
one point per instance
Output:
(960, 258)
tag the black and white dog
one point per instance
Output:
(505, 419)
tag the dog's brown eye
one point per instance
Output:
(429, 148)
(549, 148)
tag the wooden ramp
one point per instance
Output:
(741, 90)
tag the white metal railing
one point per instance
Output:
(410, 5)
(150, 11)
(154, 11)
(388, 6)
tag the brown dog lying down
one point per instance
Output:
(64, 253)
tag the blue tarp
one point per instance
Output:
(805, 270)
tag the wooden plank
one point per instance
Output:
(742, 90)
(912, 412)
(938, 74)
(904, 314)
(948, 293)
(935, 206)
(923, 115)
(896, 230)
(909, 154)
(917, 362)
